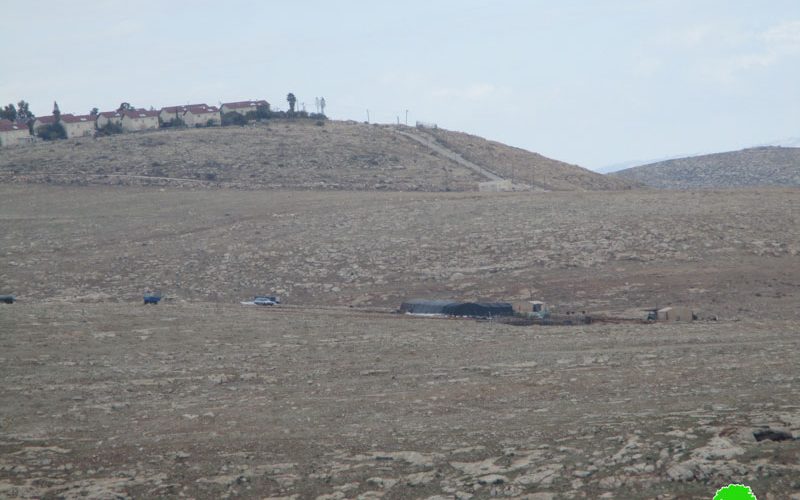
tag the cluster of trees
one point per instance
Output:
(20, 113)
(319, 102)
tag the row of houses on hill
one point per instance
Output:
(132, 120)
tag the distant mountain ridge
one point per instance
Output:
(760, 166)
(788, 142)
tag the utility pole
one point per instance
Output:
(406, 118)
(367, 116)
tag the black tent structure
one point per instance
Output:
(452, 308)
(481, 309)
(422, 306)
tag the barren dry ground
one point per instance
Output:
(732, 254)
(201, 397)
(207, 400)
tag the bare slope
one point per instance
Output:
(766, 166)
(733, 253)
(526, 167)
(216, 401)
(281, 155)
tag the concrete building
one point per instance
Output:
(78, 126)
(106, 117)
(139, 119)
(669, 314)
(201, 116)
(243, 107)
(529, 307)
(13, 133)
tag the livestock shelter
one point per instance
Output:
(452, 308)
(422, 306)
(670, 314)
(674, 314)
(529, 307)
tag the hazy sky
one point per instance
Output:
(589, 82)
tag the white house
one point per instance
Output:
(78, 126)
(106, 117)
(244, 107)
(13, 133)
(170, 113)
(139, 119)
(201, 116)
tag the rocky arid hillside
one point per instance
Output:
(764, 166)
(527, 168)
(300, 154)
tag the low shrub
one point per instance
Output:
(233, 118)
(175, 122)
(51, 132)
(108, 129)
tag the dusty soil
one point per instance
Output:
(279, 155)
(730, 254)
(208, 401)
(200, 397)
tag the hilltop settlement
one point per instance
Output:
(20, 127)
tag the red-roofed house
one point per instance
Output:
(13, 133)
(139, 119)
(41, 122)
(106, 117)
(176, 112)
(78, 126)
(244, 107)
(201, 116)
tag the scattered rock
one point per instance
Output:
(492, 479)
(680, 472)
(420, 478)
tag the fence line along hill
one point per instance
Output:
(524, 167)
(292, 154)
(763, 166)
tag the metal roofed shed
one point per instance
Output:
(453, 308)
